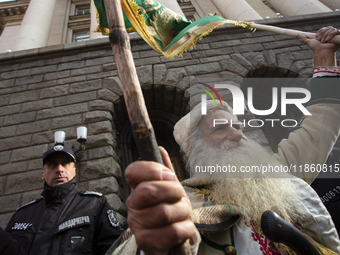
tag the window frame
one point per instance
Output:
(84, 32)
(86, 9)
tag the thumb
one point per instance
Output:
(166, 158)
(304, 39)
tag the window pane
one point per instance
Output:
(81, 36)
(82, 9)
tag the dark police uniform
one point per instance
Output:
(328, 189)
(66, 222)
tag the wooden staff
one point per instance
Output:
(140, 123)
(290, 32)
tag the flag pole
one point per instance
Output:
(290, 32)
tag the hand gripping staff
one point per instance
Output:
(140, 123)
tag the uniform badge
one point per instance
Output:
(21, 226)
(113, 218)
(58, 147)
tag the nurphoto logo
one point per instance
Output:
(239, 104)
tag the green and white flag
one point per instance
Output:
(165, 31)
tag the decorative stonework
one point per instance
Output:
(13, 11)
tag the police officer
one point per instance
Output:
(64, 221)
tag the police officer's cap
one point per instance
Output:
(58, 149)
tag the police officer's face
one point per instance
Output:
(58, 169)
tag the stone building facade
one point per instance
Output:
(63, 86)
(26, 24)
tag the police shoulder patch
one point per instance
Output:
(29, 203)
(92, 193)
(113, 218)
(21, 226)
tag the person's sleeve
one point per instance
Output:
(317, 223)
(8, 245)
(107, 230)
(312, 141)
(127, 244)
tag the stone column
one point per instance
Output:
(293, 7)
(7, 36)
(94, 23)
(236, 10)
(35, 27)
(173, 5)
(332, 4)
(262, 9)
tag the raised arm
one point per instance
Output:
(308, 147)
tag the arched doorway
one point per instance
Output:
(163, 124)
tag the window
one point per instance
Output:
(82, 9)
(190, 18)
(81, 36)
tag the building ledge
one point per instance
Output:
(61, 49)
(300, 20)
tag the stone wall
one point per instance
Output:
(65, 86)
(43, 94)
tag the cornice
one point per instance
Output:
(103, 43)
(13, 11)
(79, 21)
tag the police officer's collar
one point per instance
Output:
(57, 194)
